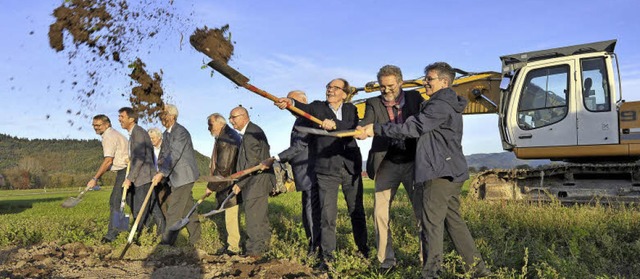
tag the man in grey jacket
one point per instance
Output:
(440, 170)
(177, 162)
(141, 169)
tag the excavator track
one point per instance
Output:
(567, 183)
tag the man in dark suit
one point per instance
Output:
(298, 157)
(223, 163)
(337, 161)
(390, 161)
(141, 169)
(177, 162)
(255, 188)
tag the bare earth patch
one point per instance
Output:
(75, 260)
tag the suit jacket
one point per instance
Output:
(331, 154)
(376, 112)
(253, 150)
(223, 163)
(141, 157)
(298, 157)
(177, 159)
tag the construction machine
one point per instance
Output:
(563, 104)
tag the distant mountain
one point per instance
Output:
(54, 163)
(502, 160)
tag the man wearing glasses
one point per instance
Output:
(441, 169)
(255, 188)
(337, 161)
(116, 153)
(390, 160)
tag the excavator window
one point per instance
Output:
(543, 99)
(595, 89)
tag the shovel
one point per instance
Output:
(120, 219)
(321, 132)
(141, 213)
(184, 221)
(73, 201)
(221, 207)
(243, 81)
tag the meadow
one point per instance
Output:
(516, 239)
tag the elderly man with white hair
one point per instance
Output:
(177, 162)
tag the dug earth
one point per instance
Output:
(75, 260)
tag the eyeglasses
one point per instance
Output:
(332, 88)
(98, 125)
(430, 78)
(384, 88)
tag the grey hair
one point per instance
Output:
(390, 70)
(298, 92)
(444, 70)
(171, 110)
(217, 118)
(155, 131)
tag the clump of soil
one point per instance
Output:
(213, 43)
(104, 33)
(146, 98)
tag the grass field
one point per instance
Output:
(517, 240)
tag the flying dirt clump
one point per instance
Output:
(100, 37)
(146, 98)
(213, 43)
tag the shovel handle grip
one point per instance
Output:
(349, 134)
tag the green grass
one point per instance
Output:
(517, 240)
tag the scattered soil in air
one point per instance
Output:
(213, 43)
(146, 98)
(101, 37)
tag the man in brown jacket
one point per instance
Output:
(223, 163)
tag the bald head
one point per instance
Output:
(239, 117)
(298, 95)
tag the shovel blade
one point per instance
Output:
(121, 221)
(179, 225)
(71, 202)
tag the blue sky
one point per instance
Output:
(286, 45)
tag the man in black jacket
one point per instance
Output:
(390, 160)
(441, 169)
(337, 161)
(298, 156)
(256, 187)
(223, 163)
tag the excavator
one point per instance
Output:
(564, 104)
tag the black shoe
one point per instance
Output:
(106, 240)
(482, 273)
(225, 251)
(385, 270)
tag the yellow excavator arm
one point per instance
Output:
(481, 89)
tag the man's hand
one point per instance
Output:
(126, 183)
(92, 183)
(207, 191)
(267, 163)
(329, 124)
(236, 189)
(283, 103)
(363, 133)
(156, 178)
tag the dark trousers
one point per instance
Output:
(257, 222)
(179, 203)
(114, 204)
(311, 216)
(352, 189)
(152, 213)
(439, 210)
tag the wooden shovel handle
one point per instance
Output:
(349, 133)
(141, 213)
(291, 108)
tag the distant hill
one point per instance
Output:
(54, 163)
(502, 160)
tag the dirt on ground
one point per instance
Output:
(214, 43)
(107, 35)
(75, 260)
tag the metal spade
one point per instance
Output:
(73, 201)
